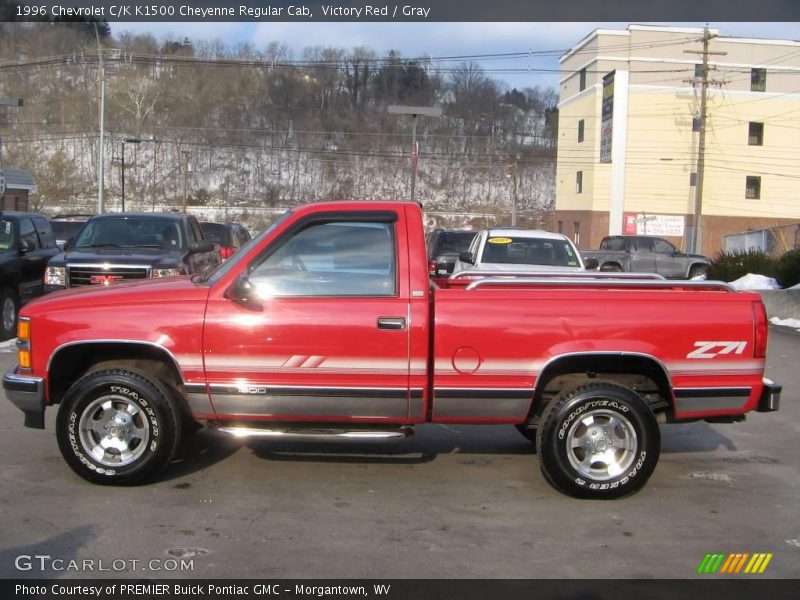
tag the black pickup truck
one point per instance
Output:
(123, 246)
(26, 244)
(644, 254)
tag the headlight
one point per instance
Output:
(166, 272)
(56, 276)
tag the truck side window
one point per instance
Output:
(27, 235)
(663, 247)
(45, 232)
(331, 259)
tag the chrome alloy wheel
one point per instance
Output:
(114, 431)
(601, 445)
(9, 313)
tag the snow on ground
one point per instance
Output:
(9, 345)
(793, 323)
(794, 287)
(755, 282)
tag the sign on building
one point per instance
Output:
(660, 225)
(607, 118)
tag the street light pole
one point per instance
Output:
(100, 156)
(414, 111)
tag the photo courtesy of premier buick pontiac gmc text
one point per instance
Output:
(327, 326)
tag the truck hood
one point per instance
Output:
(139, 292)
(154, 257)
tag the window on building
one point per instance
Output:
(582, 78)
(758, 80)
(579, 182)
(561, 227)
(753, 188)
(698, 70)
(576, 233)
(696, 124)
(755, 134)
(692, 179)
(581, 127)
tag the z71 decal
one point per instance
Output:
(713, 349)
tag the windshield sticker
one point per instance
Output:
(499, 240)
(8, 227)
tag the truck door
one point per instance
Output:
(34, 261)
(328, 339)
(641, 255)
(668, 260)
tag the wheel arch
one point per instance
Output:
(642, 372)
(71, 360)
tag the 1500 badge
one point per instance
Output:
(713, 349)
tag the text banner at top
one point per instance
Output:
(378, 10)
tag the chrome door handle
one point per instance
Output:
(391, 323)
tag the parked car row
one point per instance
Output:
(40, 255)
(512, 249)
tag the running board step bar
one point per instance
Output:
(311, 434)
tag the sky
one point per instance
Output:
(435, 39)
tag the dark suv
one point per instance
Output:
(26, 244)
(115, 247)
(444, 247)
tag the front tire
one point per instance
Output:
(118, 427)
(598, 440)
(9, 309)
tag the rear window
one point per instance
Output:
(216, 232)
(455, 242)
(615, 244)
(529, 251)
(66, 230)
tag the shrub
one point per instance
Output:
(730, 266)
(787, 269)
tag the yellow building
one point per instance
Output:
(628, 163)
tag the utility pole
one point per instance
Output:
(185, 178)
(697, 233)
(100, 156)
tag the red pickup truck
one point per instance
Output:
(327, 326)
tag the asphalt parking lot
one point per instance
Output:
(451, 502)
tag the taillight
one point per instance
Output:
(226, 252)
(432, 268)
(760, 328)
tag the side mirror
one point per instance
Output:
(243, 292)
(25, 246)
(67, 245)
(201, 246)
(466, 257)
(591, 264)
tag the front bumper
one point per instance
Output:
(770, 397)
(27, 392)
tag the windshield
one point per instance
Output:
(6, 234)
(131, 232)
(215, 274)
(529, 251)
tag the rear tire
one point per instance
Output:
(9, 310)
(598, 440)
(118, 426)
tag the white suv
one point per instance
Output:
(520, 250)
